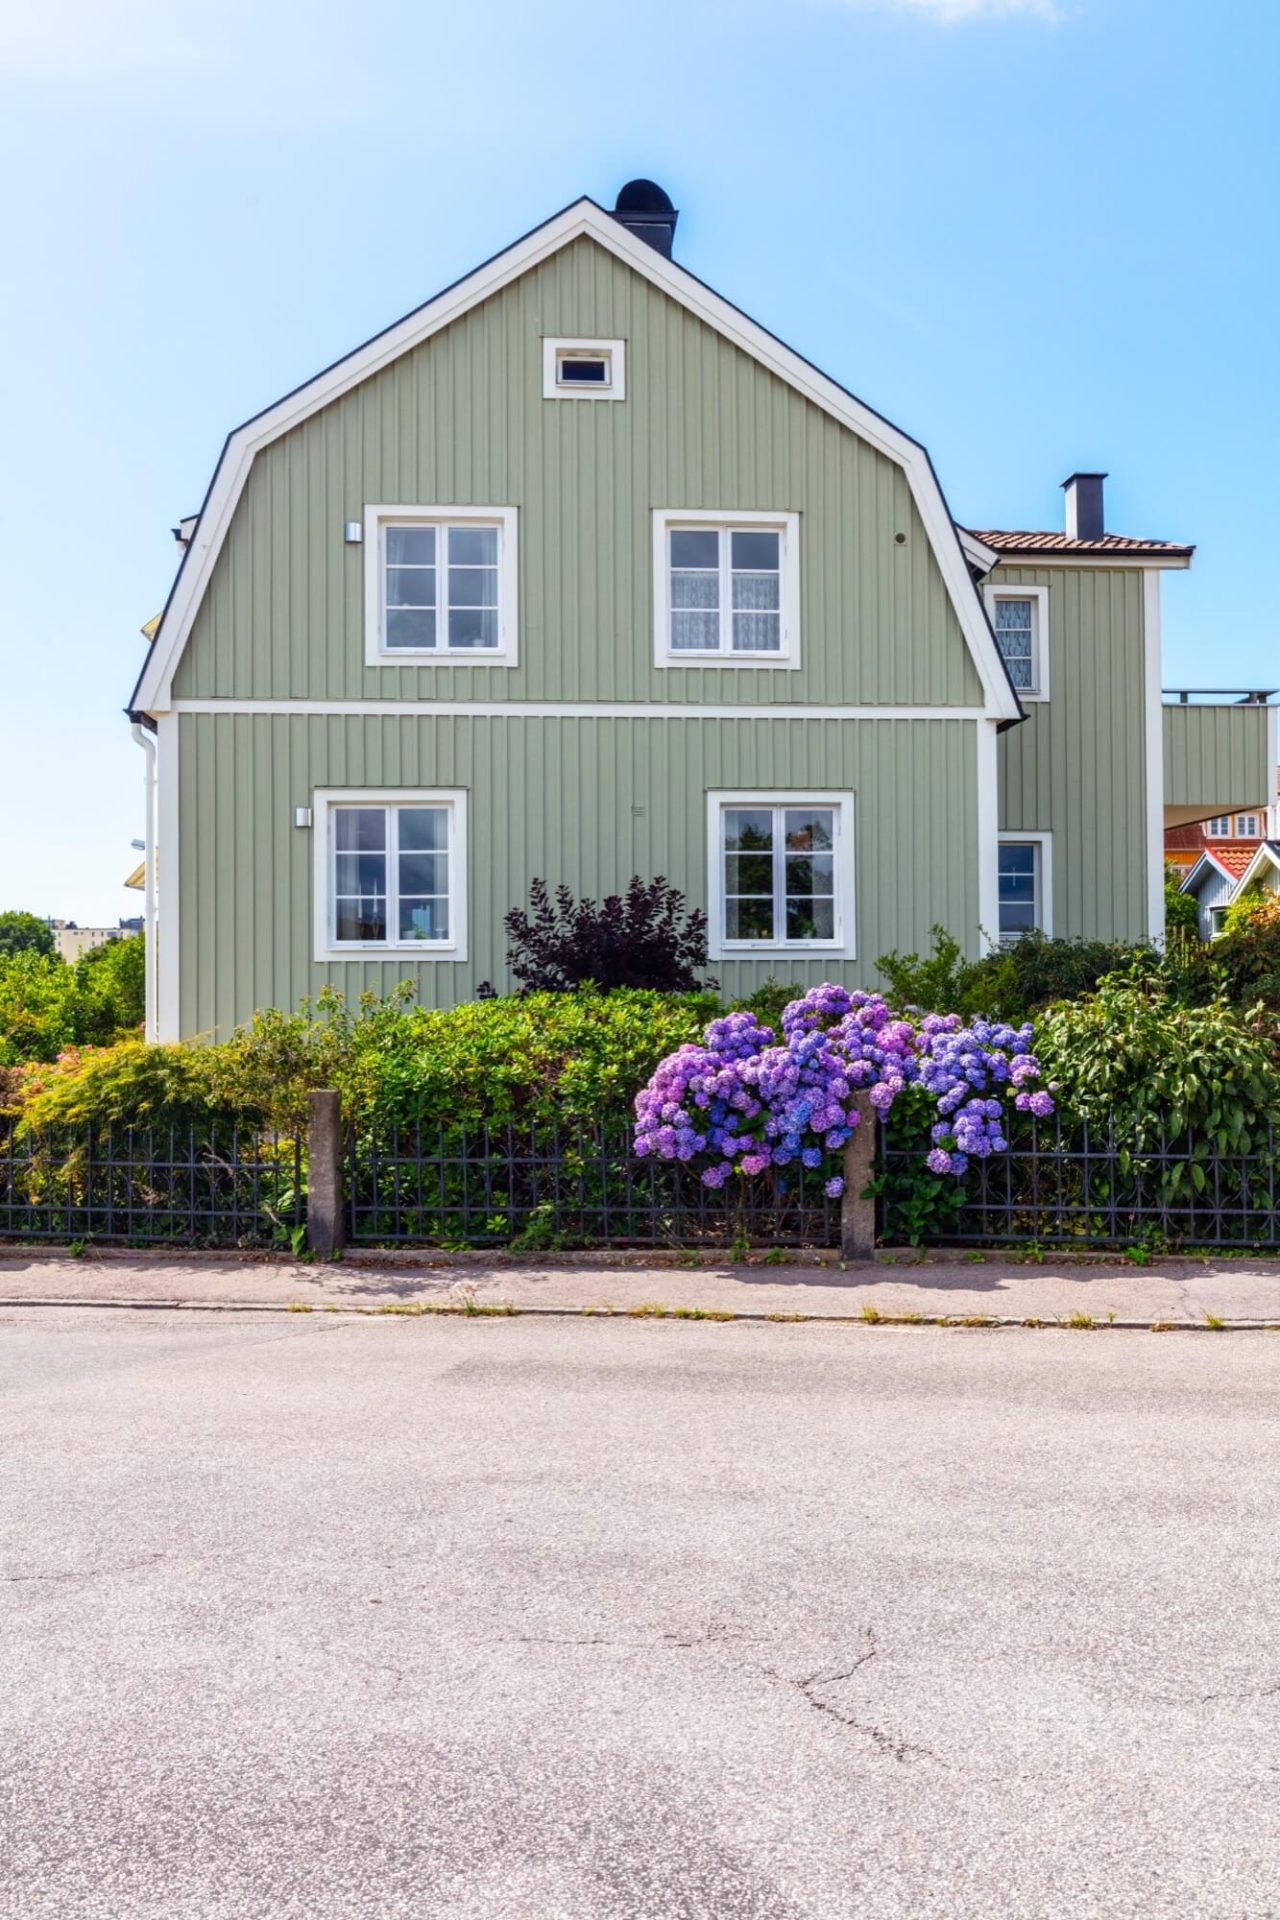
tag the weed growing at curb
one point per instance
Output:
(1214, 1322)
(647, 1310)
(701, 1313)
(1082, 1322)
(788, 1318)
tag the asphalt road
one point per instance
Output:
(599, 1620)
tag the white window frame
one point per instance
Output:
(326, 803)
(376, 522)
(1247, 833)
(1216, 917)
(1039, 598)
(843, 946)
(1044, 882)
(718, 520)
(1219, 828)
(614, 351)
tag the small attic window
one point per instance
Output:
(584, 369)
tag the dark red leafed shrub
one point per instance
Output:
(645, 938)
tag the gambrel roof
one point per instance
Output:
(584, 218)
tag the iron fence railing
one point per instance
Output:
(1065, 1184)
(549, 1186)
(190, 1186)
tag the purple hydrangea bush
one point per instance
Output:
(742, 1101)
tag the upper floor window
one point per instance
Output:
(726, 589)
(1020, 617)
(440, 584)
(584, 369)
(1219, 828)
(1247, 826)
(389, 872)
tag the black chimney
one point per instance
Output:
(1085, 518)
(646, 210)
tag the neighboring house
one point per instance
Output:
(1212, 882)
(1263, 871)
(577, 572)
(72, 942)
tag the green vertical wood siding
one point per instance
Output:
(1218, 758)
(461, 420)
(1075, 767)
(589, 802)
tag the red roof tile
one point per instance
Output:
(1013, 542)
(1234, 858)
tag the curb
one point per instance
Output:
(504, 1310)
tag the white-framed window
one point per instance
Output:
(1217, 922)
(440, 585)
(584, 369)
(726, 589)
(1246, 826)
(1219, 828)
(390, 873)
(780, 872)
(1020, 619)
(1024, 885)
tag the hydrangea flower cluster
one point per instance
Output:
(747, 1102)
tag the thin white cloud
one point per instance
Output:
(951, 11)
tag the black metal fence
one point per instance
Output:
(1063, 1184)
(198, 1187)
(546, 1187)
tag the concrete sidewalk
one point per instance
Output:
(986, 1288)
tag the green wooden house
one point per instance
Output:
(577, 572)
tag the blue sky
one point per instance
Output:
(1039, 236)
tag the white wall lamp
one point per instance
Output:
(353, 532)
(302, 816)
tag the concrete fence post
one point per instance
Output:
(858, 1216)
(326, 1210)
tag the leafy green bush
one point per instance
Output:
(1009, 984)
(47, 1005)
(1133, 1057)
(1181, 914)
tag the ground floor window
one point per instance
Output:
(1022, 887)
(390, 872)
(781, 872)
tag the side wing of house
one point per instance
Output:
(467, 624)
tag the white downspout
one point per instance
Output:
(152, 954)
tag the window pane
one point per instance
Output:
(757, 633)
(411, 546)
(364, 918)
(755, 552)
(810, 829)
(473, 626)
(360, 829)
(416, 628)
(1015, 918)
(809, 874)
(1013, 616)
(748, 829)
(748, 919)
(473, 546)
(583, 372)
(695, 549)
(411, 586)
(424, 873)
(756, 592)
(356, 873)
(749, 873)
(811, 919)
(424, 830)
(1018, 867)
(473, 587)
(424, 919)
(695, 589)
(694, 632)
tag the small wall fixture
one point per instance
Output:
(353, 532)
(302, 816)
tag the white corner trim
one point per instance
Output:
(583, 218)
(168, 881)
(844, 946)
(1045, 843)
(1153, 752)
(988, 815)
(719, 519)
(573, 710)
(376, 521)
(614, 351)
(324, 802)
(976, 551)
(1039, 598)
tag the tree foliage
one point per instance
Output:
(24, 933)
(645, 939)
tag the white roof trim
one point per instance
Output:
(976, 552)
(1266, 851)
(1207, 859)
(583, 218)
